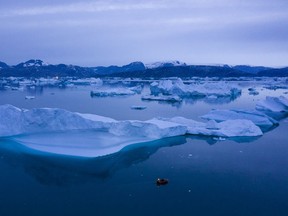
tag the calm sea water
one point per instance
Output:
(206, 177)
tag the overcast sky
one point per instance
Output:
(105, 32)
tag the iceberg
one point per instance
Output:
(177, 87)
(116, 91)
(110, 92)
(154, 128)
(29, 97)
(253, 91)
(160, 97)
(15, 121)
(258, 118)
(273, 104)
(87, 81)
(39, 128)
(228, 128)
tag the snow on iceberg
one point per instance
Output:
(15, 121)
(177, 87)
(258, 118)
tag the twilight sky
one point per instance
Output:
(105, 32)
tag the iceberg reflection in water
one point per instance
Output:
(60, 170)
(56, 169)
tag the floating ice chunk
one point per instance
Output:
(160, 97)
(253, 91)
(177, 87)
(256, 117)
(137, 89)
(237, 128)
(153, 128)
(228, 128)
(110, 92)
(11, 120)
(47, 81)
(138, 107)
(273, 104)
(87, 81)
(29, 97)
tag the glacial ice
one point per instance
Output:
(110, 92)
(28, 126)
(258, 118)
(115, 91)
(160, 97)
(177, 87)
(87, 81)
(28, 97)
(253, 91)
(273, 104)
(228, 128)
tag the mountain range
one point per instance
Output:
(38, 68)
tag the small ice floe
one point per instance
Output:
(17, 88)
(253, 91)
(160, 97)
(111, 92)
(29, 97)
(219, 138)
(138, 107)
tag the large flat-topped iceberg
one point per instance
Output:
(177, 87)
(28, 126)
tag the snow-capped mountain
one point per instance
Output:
(165, 64)
(32, 63)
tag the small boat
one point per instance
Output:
(161, 181)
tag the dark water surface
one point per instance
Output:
(206, 177)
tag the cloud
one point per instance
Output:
(87, 7)
(223, 31)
